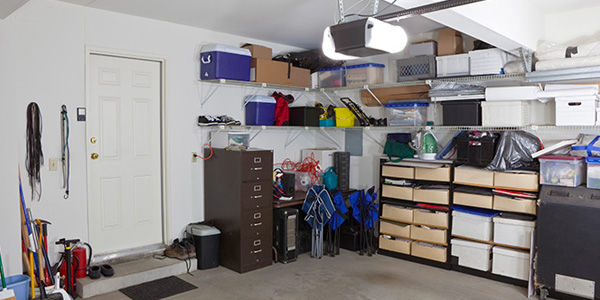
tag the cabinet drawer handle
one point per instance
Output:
(256, 251)
(256, 224)
(256, 169)
(257, 197)
(257, 243)
(257, 215)
(257, 160)
(257, 188)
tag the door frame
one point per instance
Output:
(95, 50)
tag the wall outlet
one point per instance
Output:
(194, 157)
(53, 164)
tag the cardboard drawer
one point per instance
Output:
(518, 181)
(431, 218)
(473, 200)
(473, 176)
(435, 236)
(527, 206)
(397, 171)
(397, 192)
(438, 174)
(432, 252)
(397, 213)
(394, 229)
(399, 245)
(431, 196)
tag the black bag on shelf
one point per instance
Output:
(514, 152)
(476, 148)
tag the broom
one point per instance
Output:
(5, 294)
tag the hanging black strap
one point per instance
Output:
(35, 156)
(66, 151)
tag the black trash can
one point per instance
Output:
(206, 240)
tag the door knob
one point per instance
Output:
(93, 140)
(94, 155)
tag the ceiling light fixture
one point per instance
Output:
(372, 35)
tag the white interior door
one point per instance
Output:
(124, 153)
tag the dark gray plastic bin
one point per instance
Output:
(206, 239)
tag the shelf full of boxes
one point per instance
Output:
(414, 210)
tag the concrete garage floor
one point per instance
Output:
(347, 276)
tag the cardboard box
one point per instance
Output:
(526, 206)
(397, 213)
(397, 192)
(259, 51)
(473, 176)
(394, 229)
(437, 174)
(399, 172)
(395, 93)
(431, 235)
(431, 196)
(517, 181)
(474, 200)
(269, 71)
(427, 251)
(397, 245)
(430, 218)
(300, 77)
(450, 42)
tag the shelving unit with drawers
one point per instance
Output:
(408, 230)
(506, 240)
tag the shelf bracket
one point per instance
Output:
(288, 141)
(257, 133)
(526, 57)
(373, 95)
(328, 135)
(341, 10)
(328, 97)
(210, 93)
(371, 135)
(214, 135)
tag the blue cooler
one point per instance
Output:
(224, 62)
(260, 110)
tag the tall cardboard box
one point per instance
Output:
(300, 77)
(450, 42)
(269, 71)
(258, 51)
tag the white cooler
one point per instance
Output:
(472, 223)
(513, 232)
(511, 263)
(472, 254)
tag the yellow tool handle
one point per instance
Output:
(32, 275)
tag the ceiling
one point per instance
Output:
(298, 23)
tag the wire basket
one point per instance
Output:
(414, 68)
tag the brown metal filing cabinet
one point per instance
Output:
(238, 197)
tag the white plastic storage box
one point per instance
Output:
(516, 113)
(579, 110)
(358, 75)
(423, 48)
(593, 172)
(452, 65)
(332, 77)
(260, 110)
(513, 232)
(406, 114)
(488, 61)
(511, 263)
(474, 223)
(472, 254)
(562, 170)
(512, 93)
(224, 62)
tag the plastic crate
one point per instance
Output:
(407, 114)
(562, 170)
(516, 113)
(332, 77)
(358, 75)
(593, 172)
(475, 151)
(452, 65)
(461, 113)
(415, 68)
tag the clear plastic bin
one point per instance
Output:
(332, 77)
(593, 172)
(358, 75)
(562, 170)
(452, 65)
(407, 114)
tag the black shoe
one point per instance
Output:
(208, 120)
(190, 249)
(107, 270)
(176, 250)
(227, 120)
(94, 272)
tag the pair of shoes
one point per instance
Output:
(208, 120)
(106, 270)
(182, 250)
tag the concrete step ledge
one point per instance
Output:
(132, 273)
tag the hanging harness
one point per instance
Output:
(35, 156)
(66, 151)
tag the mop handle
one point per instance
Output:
(2, 271)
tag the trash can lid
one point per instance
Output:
(202, 230)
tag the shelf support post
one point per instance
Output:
(526, 57)
(373, 95)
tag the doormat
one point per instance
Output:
(158, 289)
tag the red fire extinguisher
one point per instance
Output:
(80, 261)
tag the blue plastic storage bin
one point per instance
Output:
(260, 110)
(20, 285)
(406, 114)
(224, 62)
